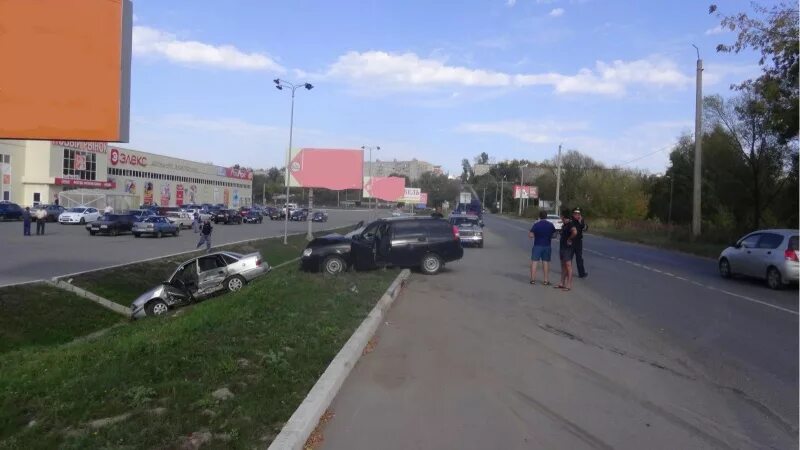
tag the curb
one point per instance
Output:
(296, 431)
(108, 304)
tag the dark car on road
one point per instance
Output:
(112, 224)
(299, 215)
(421, 242)
(470, 229)
(253, 216)
(319, 216)
(277, 214)
(227, 216)
(53, 211)
(10, 211)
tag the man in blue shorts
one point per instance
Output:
(541, 232)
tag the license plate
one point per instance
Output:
(95, 228)
(104, 226)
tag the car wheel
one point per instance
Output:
(334, 265)
(774, 280)
(92, 233)
(725, 268)
(234, 283)
(431, 264)
(156, 308)
(177, 230)
(137, 235)
(158, 234)
(83, 221)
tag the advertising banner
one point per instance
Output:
(238, 173)
(85, 183)
(80, 161)
(526, 191)
(335, 169)
(179, 195)
(423, 199)
(390, 189)
(411, 195)
(166, 195)
(148, 193)
(193, 194)
(226, 197)
(130, 187)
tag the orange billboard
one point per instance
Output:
(65, 70)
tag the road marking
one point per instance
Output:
(677, 277)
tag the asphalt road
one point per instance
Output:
(652, 350)
(68, 249)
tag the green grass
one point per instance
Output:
(42, 315)
(268, 344)
(658, 235)
(124, 284)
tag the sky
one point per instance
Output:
(433, 80)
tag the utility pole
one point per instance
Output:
(698, 139)
(264, 193)
(671, 187)
(483, 199)
(522, 186)
(502, 181)
(558, 182)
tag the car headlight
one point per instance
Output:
(307, 252)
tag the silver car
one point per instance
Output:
(200, 278)
(470, 229)
(764, 254)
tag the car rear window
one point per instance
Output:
(229, 259)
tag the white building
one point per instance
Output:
(33, 172)
(412, 169)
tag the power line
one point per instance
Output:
(645, 156)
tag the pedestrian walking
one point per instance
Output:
(205, 236)
(566, 250)
(577, 243)
(55, 201)
(542, 233)
(108, 210)
(41, 219)
(437, 213)
(26, 222)
(196, 222)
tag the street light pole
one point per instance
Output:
(698, 139)
(502, 191)
(558, 182)
(371, 181)
(280, 84)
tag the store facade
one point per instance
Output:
(33, 172)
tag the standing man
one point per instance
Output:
(577, 244)
(205, 236)
(437, 214)
(196, 222)
(41, 218)
(108, 210)
(541, 232)
(26, 222)
(55, 201)
(566, 250)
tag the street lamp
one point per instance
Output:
(372, 183)
(280, 84)
(502, 191)
(671, 188)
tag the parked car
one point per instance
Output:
(227, 216)
(200, 278)
(244, 210)
(319, 216)
(253, 217)
(156, 226)
(277, 214)
(203, 214)
(10, 211)
(470, 229)
(53, 211)
(79, 214)
(112, 224)
(140, 214)
(299, 215)
(182, 219)
(770, 255)
(555, 219)
(422, 242)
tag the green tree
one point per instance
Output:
(466, 173)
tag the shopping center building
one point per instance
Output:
(33, 172)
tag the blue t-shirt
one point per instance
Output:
(542, 233)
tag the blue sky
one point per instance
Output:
(433, 80)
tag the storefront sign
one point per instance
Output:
(86, 183)
(179, 195)
(118, 157)
(93, 147)
(241, 174)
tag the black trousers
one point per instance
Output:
(40, 226)
(578, 248)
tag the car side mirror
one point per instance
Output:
(737, 245)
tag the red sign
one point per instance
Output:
(423, 198)
(391, 189)
(334, 169)
(80, 161)
(241, 174)
(92, 147)
(119, 157)
(526, 191)
(179, 195)
(86, 183)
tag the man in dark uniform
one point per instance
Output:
(577, 244)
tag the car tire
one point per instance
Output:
(725, 268)
(177, 231)
(156, 308)
(137, 235)
(83, 221)
(158, 234)
(92, 233)
(235, 283)
(431, 264)
(774, 279)
(334, 265)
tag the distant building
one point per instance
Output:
(481, 169)
(412, 169)
(437, 170)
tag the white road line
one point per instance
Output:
(677, 277)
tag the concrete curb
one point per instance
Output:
(286, 263)
(108, 304)
(296, 431)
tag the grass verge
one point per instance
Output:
(266, 344)
(123, 284)
(658, 235)
(41, 315)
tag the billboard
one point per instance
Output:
(526, 191)
(423, 199)
(66, 69)
(390, 189)
(329, 168)
(411, 195)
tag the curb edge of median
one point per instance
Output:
(305, 418)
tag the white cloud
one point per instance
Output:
(511, 3)
(152, 42)
(716, 30)
(556, 12)
(714, 73)
(377, 70)
(532, 132)
(546, 2)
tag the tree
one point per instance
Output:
(483, 158)
(467, 173)
(775, 37)
(439, 188)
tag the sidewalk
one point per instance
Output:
(476, 358)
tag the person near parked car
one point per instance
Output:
(26, 222)
(41, 219)
(437, 214)
(108, 210)
(205, 236)
(55, 201)
(566, 250)
(196, 222)
(541, 232)
(577, 243)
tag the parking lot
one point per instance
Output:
(66, 249)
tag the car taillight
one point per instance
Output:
(258, 262)
(456, 234)
(790, 255)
